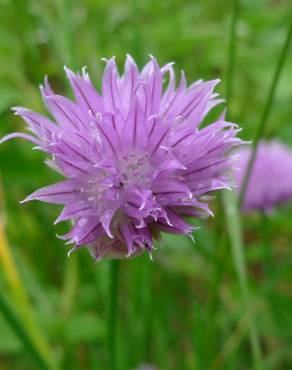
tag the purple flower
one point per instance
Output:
(134, 159)
(270, 182)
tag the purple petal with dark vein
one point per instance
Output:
(134, 131)
(67, 113)
(154, 80)
(60, 193)
(158, 138)
(90, 234)
(72, 167)
(85, 93)
(177, 224)
(73, 210)
(129, 81)
(105, 220)
(110, 88)
(38, 123)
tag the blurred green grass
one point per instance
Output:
(182, 311)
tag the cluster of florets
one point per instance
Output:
(134, 158)
(270, 182)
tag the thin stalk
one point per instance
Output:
(69, 288)
(235, 234)
(266, 243)
(68, 298)
(216, 280)
(232, 215)
(22, 333)
(64, 35)
(232, 50)
(218, 261)
(113, 309)
(266, 112)
(268, 261)
(147, 310)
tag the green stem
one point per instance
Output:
(147, 310)
(237, 246)
(21, 332)
(266, 243)
(232, 50)
(232, 212)
(266, 113)
(216, 280)
(112, 320)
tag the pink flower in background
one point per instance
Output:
(134, 159)
(146, 367)
(270, 182)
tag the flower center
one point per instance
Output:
(98, 190)
(135, 169)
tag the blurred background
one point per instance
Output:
(185, 309)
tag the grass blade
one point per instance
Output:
(21, 299)
(21, 332)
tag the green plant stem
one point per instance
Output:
(216, 280)
(113, 309)
(21, 332)
(232, 215)
(232, 50)
(266, 243)
(266, 112)
(268, 263)
(69, 287)
(147, 310)
(237, 246)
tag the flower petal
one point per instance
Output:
(59, 193)
(85, 93)
(21, 136)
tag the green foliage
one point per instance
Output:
(183, 310)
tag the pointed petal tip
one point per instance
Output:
(191, 236)
(154, 62)
(71, 241)
(69, 73)
(4, 139)
(129, 57)
(108, 61)
(66, 69)
(19, 135)
(84, 73)
(151, 256)
(18, 110)
(25, 200)
(57, 220)
(61, 237)
(167, 67)
(72, 250)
